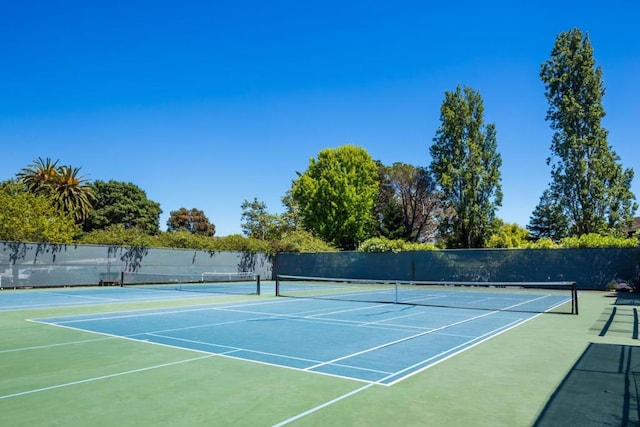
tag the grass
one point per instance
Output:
(63, 377)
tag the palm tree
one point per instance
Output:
(70, 192)
(40, 175)
(73, 193)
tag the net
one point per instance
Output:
(533, 297)
(241, 283)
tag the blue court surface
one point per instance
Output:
(66, 297)
(373, 343)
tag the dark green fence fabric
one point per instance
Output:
(594, 269)
(42, 264)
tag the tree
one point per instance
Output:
(336, 195)
(29, 217)
(466, 167)
(508, 236)
(587, 180)
(194, 221)
(123, 203)
(40, 175)
(258, 223)
(548, 220)
(411, 205)
(388, 210)
(69, 191)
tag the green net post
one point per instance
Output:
(396, 297)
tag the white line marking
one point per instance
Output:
(358, 390)
(38, 347)
(387, 344)
(103, 377)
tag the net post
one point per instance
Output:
(122, 279)
(396, 297)
(574, 298)
(258, 285)
(277, 286)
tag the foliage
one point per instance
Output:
(183, 239)
(258, 223)
(119, 235)
(466, 166)
(291, 217)
(193, 221)
(29, 217)
(69, 191)
(125, 204)
(408, 203)
(40, 175)
(587, 179)
(593, 240)
(509, 236)
(548, 219)
(336, 195)
(237, 242)
(382, 244)
(300, 241)
(543, 243)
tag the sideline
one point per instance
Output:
(103, 377)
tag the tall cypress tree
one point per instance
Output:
(466, 166)
(588, 182)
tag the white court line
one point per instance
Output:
(77, 296)
(410, 337)
(38, 347)
(463, 347)
(103, 377)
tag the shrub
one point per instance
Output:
(382, 244)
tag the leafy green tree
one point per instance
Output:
(466, 166)
(412, 190)
(193, 220)
(548, 219)
(29, 217)
(588, 181)
(69, 191)
(336, 195)
(388, 210)
(123, 203)
(258, 223)
(509, 236)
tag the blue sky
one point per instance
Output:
(206, 104)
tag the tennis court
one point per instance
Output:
(133, 356)
(361, 341)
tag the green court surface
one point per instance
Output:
(543, 372)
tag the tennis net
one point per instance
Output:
(241, 283)
(533, 297)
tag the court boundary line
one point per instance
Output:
(39, 347)
(410, 337)
(102, 377)
(367, 386)
(223, 355)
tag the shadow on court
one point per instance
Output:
(600, 390)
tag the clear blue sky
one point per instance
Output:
(206, 104)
